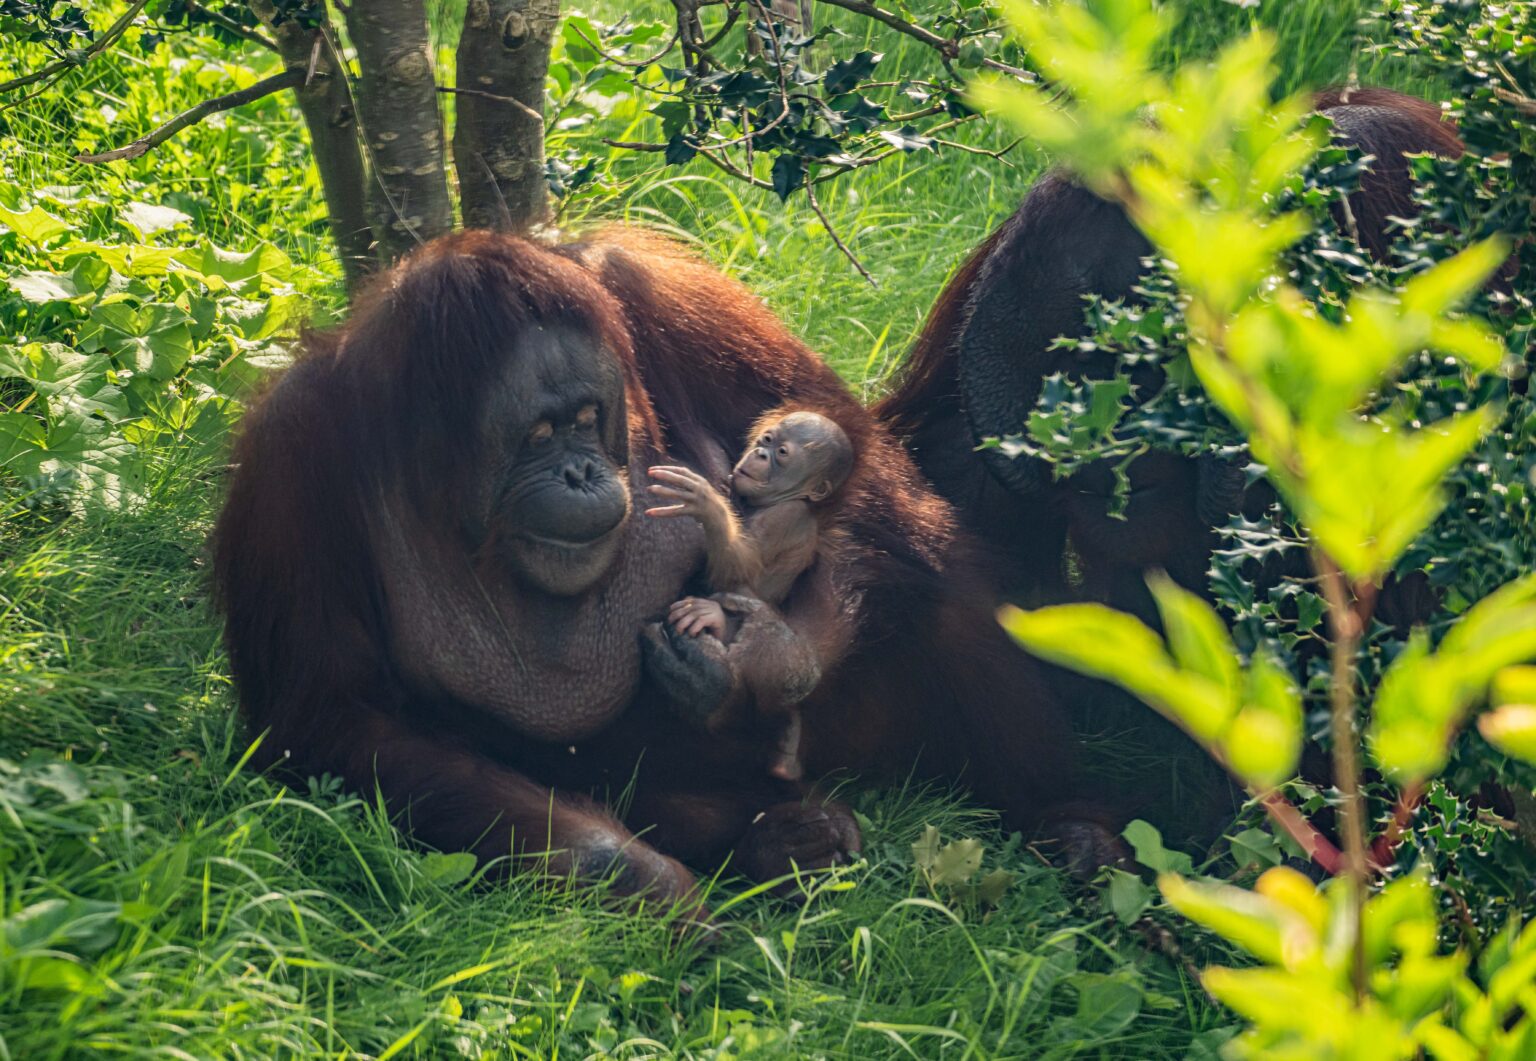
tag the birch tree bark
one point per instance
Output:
(402, 128)
(498, 143)
(326, 103)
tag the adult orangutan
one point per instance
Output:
(435, 578)
(977, 370)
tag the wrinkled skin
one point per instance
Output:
(455, 616)
(436, 585)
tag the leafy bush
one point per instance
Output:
(117, 353)
(1330, 373)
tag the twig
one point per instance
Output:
(1522, 104)
(243, 32)
(810, 194)
(972, 149)
(481, 94)
(1384, 848)
(276, 83)
(103, 42)
(633, 64)
(949, 49)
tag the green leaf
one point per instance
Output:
(1196, 634)
(147, 219)
(1255, 847)
(925, 851)
(1512, 730)
(956, 862)
(36, 225)
(152, 339)
(1147, 842)
(41, 288)
(236, 270)
(992, 887)
(1129, 896)
(1106, 1003)
(448, 869)
(1104, 643)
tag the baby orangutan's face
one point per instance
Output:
(802, 455)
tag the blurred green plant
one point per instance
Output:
(1202, 160)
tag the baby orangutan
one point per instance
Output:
(783, 481)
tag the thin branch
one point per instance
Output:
(1384, 847)
(292, 78)
(949, 49)
(508, 100)
(98, 46)
(810, 194)
(633, 64)
(229, 24)
(708, 154)
(973, 150)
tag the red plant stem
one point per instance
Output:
(1384, 847)
(1295, 825)
(1346, 624)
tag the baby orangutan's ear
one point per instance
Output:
(820, 491)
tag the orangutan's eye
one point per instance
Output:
(542, 432)
(586, 417)
(783, 451)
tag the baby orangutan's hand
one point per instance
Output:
(693, 616)
(689, 492)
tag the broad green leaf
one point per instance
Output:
(1514, 685)
(1512, 730)
(1106, 1003)
(956, 862)
(925, 850)
(41, 288)
(1263, 927)
(1263, 743)
(1104, 643)
(152, 339)
(146, 219)
(448, 869)
(234, 269)
(993, 886)
(1128, 896)
(1255, 847)
(1423, 698)
(1196, 634)
(1365, 491)
(36, 225)
(1147, 843)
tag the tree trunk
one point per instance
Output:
(397, 102)
(498, 143)
(326, 103)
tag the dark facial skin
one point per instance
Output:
(804, 455)
(556, 492)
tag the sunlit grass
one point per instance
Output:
(158, 900)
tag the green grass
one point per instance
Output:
(159, 900)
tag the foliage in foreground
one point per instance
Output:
(1349, 970)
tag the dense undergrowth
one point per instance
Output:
(158, 899)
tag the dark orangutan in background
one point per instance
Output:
(434, 579)
(977, 370)
(788, 482)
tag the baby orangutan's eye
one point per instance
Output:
(586, 417)
(542, 432)
(783, 451)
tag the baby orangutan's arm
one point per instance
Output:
(734, 559)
